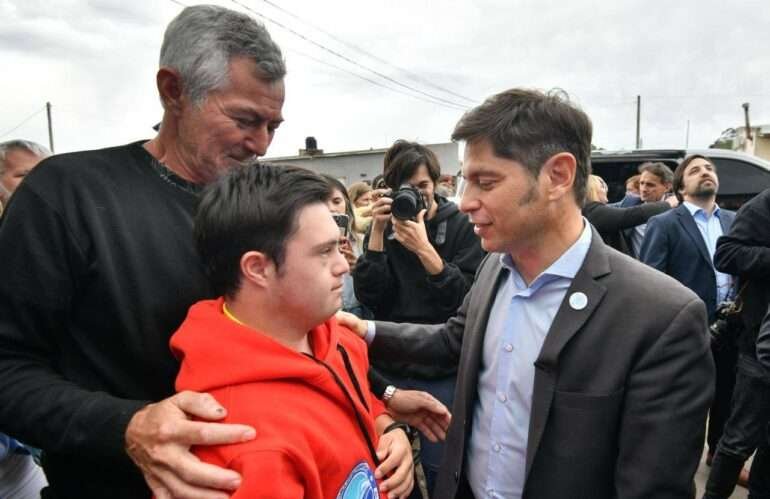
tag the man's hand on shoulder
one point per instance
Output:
(159, 437)
(420, 410)
(351, 322)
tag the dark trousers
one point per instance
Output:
(725, 358)
(744, 432)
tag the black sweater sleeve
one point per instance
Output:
(455, 279)
(745, 250)
(40, 262)
(608, 219)
(373, 281)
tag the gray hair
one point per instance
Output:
(24, 145)
(200, 42)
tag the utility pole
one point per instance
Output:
(687, 136)
(748, 123)
(638, 115)
(50, 126)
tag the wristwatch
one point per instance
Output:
(388, 394)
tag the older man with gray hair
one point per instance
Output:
(98, 269)
(17, 159)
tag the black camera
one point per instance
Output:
(726, 325)
(407, 202)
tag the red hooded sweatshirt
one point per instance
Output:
(314, 416)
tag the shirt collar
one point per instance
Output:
(695, 209)
(566, 266)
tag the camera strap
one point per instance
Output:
(441, 233)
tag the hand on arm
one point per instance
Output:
(422, 411)
(159, 437)
(395, 454)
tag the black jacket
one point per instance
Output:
(609, 221)
(394, 284)
(745, 252)
(98, 269)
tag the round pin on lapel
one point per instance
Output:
(578, 301)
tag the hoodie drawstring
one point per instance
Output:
(357, 386)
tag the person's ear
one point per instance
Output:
(257, 268)
(170, 89)
(559, 173)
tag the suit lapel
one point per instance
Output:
(687, 221)
(726, 221)
(566, 324)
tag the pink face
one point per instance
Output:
(18, 163)
(364, 199)
(699, 180)
(501, 198)
(651, 187)
(308, 286)
(232, 125)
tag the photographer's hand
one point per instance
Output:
(414, 237)
(347, 251)
(380, 218)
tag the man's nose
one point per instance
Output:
(467, 203)
(342, 266)
(258, 140)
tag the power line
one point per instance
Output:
(373, 82)
(369, 54)
(430, 100)
(22, 123)
(348, 59)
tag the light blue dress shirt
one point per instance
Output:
(710, 228)
(518, 324)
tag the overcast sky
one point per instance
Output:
(95, 61)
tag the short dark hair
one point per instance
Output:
(253, 207)
(530, 126)
(658, 169)
(404, 158)
(678, 181)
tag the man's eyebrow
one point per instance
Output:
(325, 244)
(481, 172)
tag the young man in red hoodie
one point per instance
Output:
(270, 351)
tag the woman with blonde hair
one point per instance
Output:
(360, 195)
(610, 221)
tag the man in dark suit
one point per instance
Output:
(682, 243)
(745, 252)
(582, 373)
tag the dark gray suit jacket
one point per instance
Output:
(674, 245)
(621, 388)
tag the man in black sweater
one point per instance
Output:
(745, 252)
(98, 269)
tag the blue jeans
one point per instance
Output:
(745, 431)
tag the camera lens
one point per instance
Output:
(407, 202)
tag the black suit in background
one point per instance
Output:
(621, 388)
(745, 252)
(610, 221)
